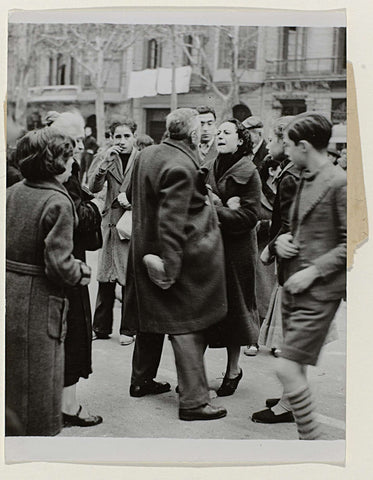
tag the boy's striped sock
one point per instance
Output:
(303, 411)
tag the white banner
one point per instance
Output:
(143, 84)
(150, 82)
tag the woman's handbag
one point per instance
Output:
(89, 229)
(124, 225)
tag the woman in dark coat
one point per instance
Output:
(78, 342)
(40, 222)
(236, 186)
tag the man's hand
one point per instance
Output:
(109, 156)
(301, 280)
(156, 271)
(285, 247)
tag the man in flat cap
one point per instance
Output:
(175, 277)
(255, 127)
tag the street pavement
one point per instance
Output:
(106, 392)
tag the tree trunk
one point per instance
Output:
(227, 111)
(100, 115)
(100, 101)
(235, 96)
(21, 99)
(173, 73)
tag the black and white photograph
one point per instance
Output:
(176, 234)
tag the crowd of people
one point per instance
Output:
(216, 237)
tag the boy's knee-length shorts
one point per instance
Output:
(306, 323)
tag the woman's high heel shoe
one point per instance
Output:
(229, 385)
(77, 421)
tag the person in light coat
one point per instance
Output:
(113, 168)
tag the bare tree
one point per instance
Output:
(24, 46)
(239, 44)
(95, 47)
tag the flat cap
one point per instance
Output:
(252, 122)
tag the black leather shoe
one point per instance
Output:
(271, 402)
(229, 385)
(205, 412)
(267, 416)
(149, 388)
(77, 421)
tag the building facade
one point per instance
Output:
(282, 71)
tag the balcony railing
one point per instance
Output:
(305, 67)
(54, 92)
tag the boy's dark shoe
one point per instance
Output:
(267, 416)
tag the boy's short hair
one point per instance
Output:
(202, 109)
(125, 122)
(312, 127)
(42, 154)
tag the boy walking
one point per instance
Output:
(313, 256)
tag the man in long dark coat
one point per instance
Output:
(175, 277)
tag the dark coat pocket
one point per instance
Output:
(57, 312)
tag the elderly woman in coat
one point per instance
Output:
(236, 185)
(78, 342)
(40, 264)
(114, 167)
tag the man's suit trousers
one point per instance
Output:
(188, 349)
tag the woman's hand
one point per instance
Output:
(266, 257)
(216, 200)
(123, 201)
(86, 274)
(234, 203)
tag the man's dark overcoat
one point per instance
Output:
(39, 245)
(172, 218)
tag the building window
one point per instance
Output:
(292, 49)
(156, 122)
(248, 42)
(87, 81)
(293, 107)
(61, 70)
(247, 50)
(340, 52)
(339, 112)
(188, 42)
(72, 71)
(154, 54)
(50, 74)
